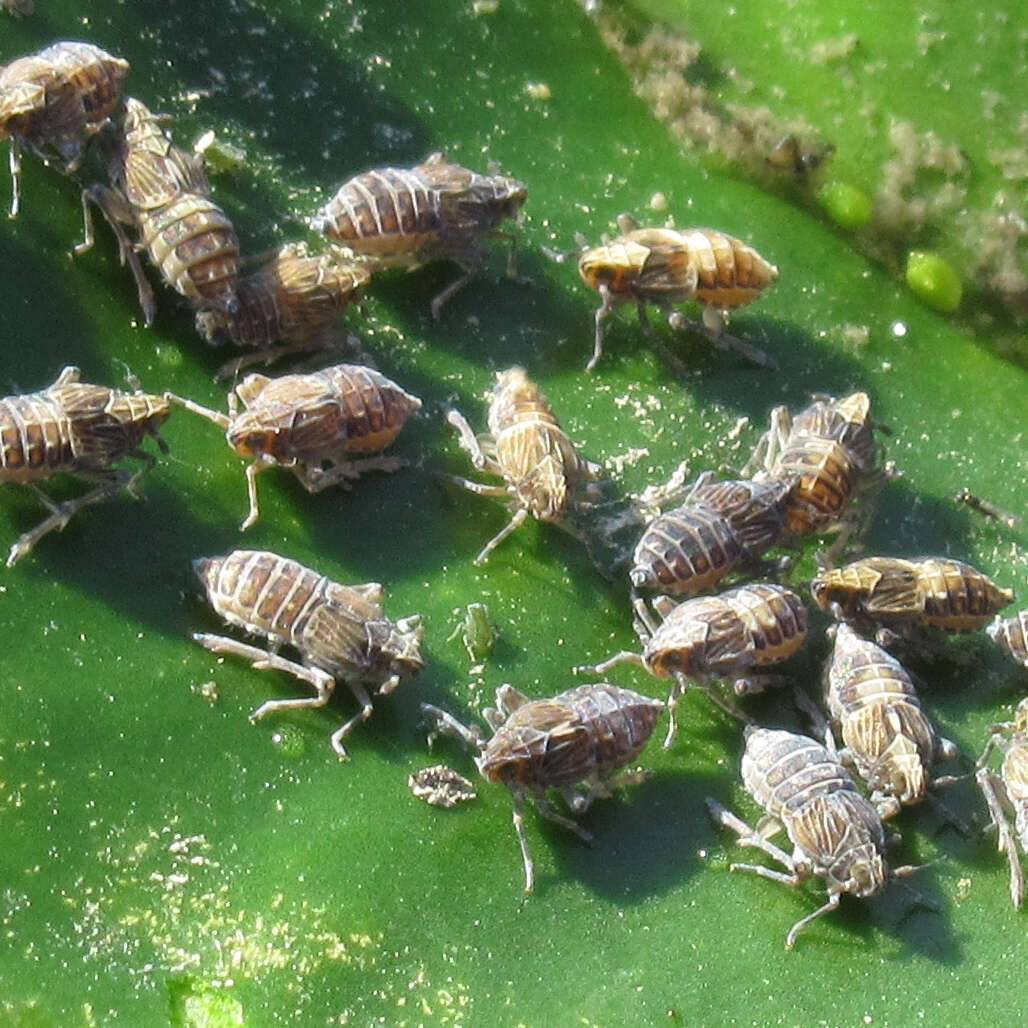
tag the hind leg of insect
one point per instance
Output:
(443, 723)
(482, 460)
(519, 830)
(263, 660)
(512, 526)
(444, 297)
(314, 479)
(1005, 842)
(60, 515)
(610, 302)
(360, 717)
(714, 320)
(116, 212)
(512, 255)
(748, 836)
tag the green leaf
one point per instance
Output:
(164, 858)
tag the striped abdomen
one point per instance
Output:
(729, 273)
(583, 733)
(686, 551)
(36, 438)
(282, 600)
(775, 619)
(826, 479)
(784, 772)
(1012, 635)
(389, 213)
(957, 597)
(195, 247)
(293, 299)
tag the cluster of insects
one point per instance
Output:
(815, 472)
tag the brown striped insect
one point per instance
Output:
(573, 742)
(53, 102)
(545, 475)
(666, 266)
(906, 595)
(1012, 635)
(830, 454)
(77, 429)
(1009, 790)
(314, 425)
(163, 193)
(710, 638)
(836, 833)
(339, 631)
(721, 527)
(433, 212)
(287, 306)
(886, 736)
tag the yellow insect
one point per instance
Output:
(892, 593)
(666, 266)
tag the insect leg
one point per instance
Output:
(451, 290)
(550, 814)
(442, 723)
(602, 312)
(252, 471)
(14, 161)
(322, 682)
(221, 420)
(519, 828)
(514, 523)
(362, 715)
(624, 657)
(314, 479)
(833, 902)
(1005, 838)
(61, 514)
(748, 837)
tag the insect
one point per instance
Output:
(339, 631)
(573, 742)
(53, 102)
(1009, 790)
(475, 631)
(789, 155)
(163, 192)
(544, 473)
(441, 786)
(886, 735)
(78, 429)
(716, 637)
(291, 301)
(836, 833)
(435, 211)
(1012, 636)
(829, 453)
(665, 266)
(897, 594)
(720, 527)
(314, 425)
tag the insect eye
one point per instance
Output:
(673, 658)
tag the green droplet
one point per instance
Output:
(934, 280)
(846, 205)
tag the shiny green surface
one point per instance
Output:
(164, 859)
